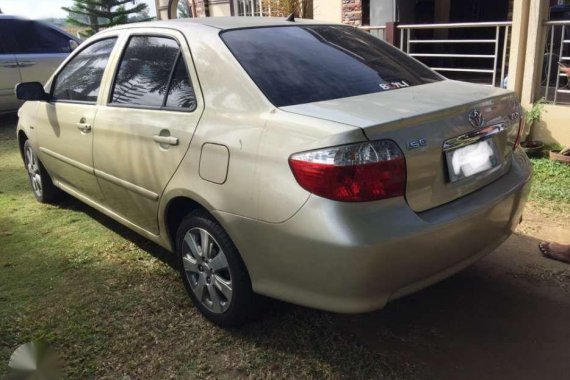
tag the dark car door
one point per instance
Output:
(9, 73)
(39, 48)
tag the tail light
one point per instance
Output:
(352, 173)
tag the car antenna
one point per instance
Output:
(291, 17)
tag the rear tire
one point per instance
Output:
(213, 272)
(40, 181)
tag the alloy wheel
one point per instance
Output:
(33, 168)
(207, 270)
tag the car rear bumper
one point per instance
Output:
(355, 257)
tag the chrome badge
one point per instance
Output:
(417, 143)
(476, 118)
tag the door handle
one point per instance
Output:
(85, 128)
(26, 63)
(170, 140)
(9, 64)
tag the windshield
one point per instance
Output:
(305, 64)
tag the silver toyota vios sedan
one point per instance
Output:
(304, 161)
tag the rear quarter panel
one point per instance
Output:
(259, 138)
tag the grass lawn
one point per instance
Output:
(551, 184)
(113, 307)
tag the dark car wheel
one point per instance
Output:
(42, 185)
(213, 272)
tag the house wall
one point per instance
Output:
(201, 9)
(554, 126)
(352, 12)
(219, 8)
(327, 10)
(162, 9)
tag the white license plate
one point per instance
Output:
(471, 159)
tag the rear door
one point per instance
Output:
(9, 71)
(40, 49)
(65, 125)
(143, 132)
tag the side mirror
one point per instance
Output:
(73, 45)
(31, 91)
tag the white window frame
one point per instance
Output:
(248, 8)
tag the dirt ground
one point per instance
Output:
(506, 317)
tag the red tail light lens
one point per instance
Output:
(352, 173)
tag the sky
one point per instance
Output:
(39, 9)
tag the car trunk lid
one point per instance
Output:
(426, 121)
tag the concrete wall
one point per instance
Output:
(327, 10)
(554, 126)
(525, 67)
(162, 9)
(220, 9)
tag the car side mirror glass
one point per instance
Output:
(73, 45)
(31, 91)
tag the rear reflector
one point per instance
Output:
(352, 173)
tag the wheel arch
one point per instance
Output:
(22, 137)
(175, 211)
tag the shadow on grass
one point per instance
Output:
(141, 242)
(8, 124)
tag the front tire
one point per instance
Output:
(42, 186)
(213, 273)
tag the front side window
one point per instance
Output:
(144, 71)
(80, 79)
(304, 64)
(152, 73)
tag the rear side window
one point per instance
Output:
(304, 64)
(80, 79)
(32, 37)
(152, 74)
(180, 93)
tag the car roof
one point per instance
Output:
(225, 23)
(47, 24)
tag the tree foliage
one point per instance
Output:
(95, 15)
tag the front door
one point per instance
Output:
(66, 123)
(145, 129)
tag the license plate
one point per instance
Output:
(471, 159)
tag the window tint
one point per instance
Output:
(80, 79)
(144, 71)
(303, 64)
(32, 37)
(180, 93)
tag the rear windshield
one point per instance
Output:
(304, 64)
